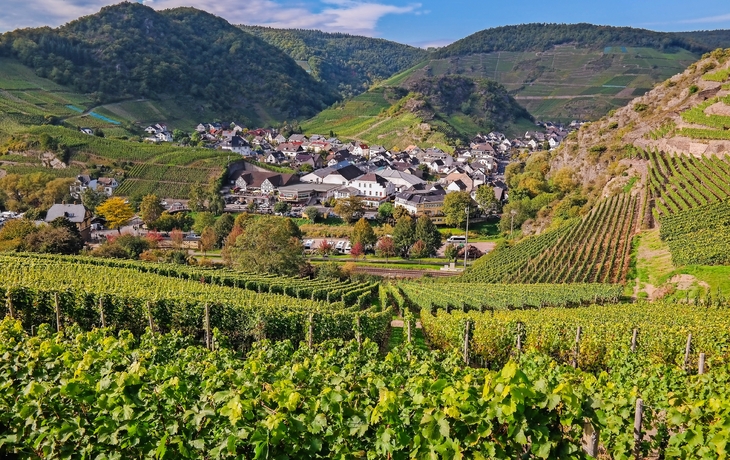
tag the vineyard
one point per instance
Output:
(348, 292)
(594, 250)
(700, 235)
(481, 297)
(681, 182)
(662, 331)
(128, 298)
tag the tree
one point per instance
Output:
(428, 234)
(216, 205)
(486, 198)
(178, 135)
(196, 198)
(349, 208)
(177, 237)
(385, 212)
(150, 210)
(92, 198)
(203, 220)
(451, 251)
(404, 235)
(208, 240)
(564, 180)
(306, 168)
(223, 227)
(53, 240)
(419, 250)
(454, 208)
(400, 211)
(282, 207)
(385, 248)
(325, 247)
(357, 250)
(133, 245)
(312, 213)
(363, 233)
(116, 212)
(267, 245)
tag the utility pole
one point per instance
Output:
(512, 222)
(466, 241)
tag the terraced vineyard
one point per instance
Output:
(681, 182)
(699, 236)
(67, 291)
(595, 250)
(478, 296)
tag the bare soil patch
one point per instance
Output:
(718, 109)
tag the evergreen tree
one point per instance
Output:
(427, 232)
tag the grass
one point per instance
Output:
(481, 231)
(398, 336)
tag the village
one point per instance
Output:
(315, 170)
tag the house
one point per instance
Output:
(107, 185)
(373, 188)
(297, 138)
(163, 136)
(315, 161)
(238, 145)
(457, 186)
(401, 180)
(275, 158)
(345, 192)
(266, 182)
(423, 203)
(533, 144)
(340, 174)
(290, 149)
(306, 193)
(279, 139)
(360, 149)
(74, 213)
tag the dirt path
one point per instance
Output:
(399, 323)
(370, 128)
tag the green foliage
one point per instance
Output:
(362, 232)
(541, 37)
(455, 208)
(350, 208)
(346, 62)
(268, 245)
(218, 61)
(150, 209)
(404, 234)
(427, 233)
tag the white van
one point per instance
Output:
(457, 239)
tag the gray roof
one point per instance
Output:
(73, 212)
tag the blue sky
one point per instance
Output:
(416, 22)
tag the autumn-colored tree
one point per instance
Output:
(419, 250)
(208, 240)
(150, 209)
(357, 250)
(349, 208)
(385, 248)
(154, 237)
(363, 233)
(116, 212)
(325, 247)
(177, 237)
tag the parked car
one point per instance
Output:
(340, 246)
(348, 248)
(308, 244)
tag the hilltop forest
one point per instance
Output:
(130, 50)
(349, 63)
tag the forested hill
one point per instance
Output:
(130, 50)
(712, 38)
(541, 37)
(349, 63)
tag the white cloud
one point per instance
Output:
(707, 19)
(351, 16)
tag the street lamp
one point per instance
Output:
(512, 222)
(466, 240)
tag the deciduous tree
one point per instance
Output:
(404, 235)
(363, 233)
(454, 209)
(428, 234)
(150, 209)
(116, 212)
(385, 248)
(349, 208)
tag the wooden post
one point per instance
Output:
(466, 343)
(149, 318)
(519, 339)
(687, 349)
(9, 303)
(701, 369)
(638, 417)
(32, 331)
(576, 352)
(207, 327)
(101, 313)
(310, 333)
(590, 439)
(58, 312)
(358, 333)
(409, 330)
(633, 339)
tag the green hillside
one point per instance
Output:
(129, 51)
(349, 63)
(443, 111)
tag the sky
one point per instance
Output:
(421, 23)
